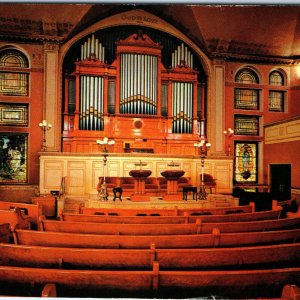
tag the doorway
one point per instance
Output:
(280, 180)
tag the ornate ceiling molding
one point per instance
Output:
(25, 29)
(253, 58)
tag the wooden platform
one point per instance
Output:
(92, 201)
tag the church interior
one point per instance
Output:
(149, 150)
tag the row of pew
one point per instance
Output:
(155, 255)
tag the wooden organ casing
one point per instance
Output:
(135, 100)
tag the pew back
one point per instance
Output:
(119, 229)
(166, 229)
(166, 212)
(57, 257)
(216, 239)
(239, 217)
(150, 280)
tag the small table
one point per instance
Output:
(187, 189)
(117, 193)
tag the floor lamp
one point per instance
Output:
(203, 147)
(104, 143)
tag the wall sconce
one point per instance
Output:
(228, 133)
(297, 70)
(45, 126)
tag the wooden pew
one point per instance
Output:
(55, 257)
(119, 229)
(15, 218)
(216, 239)
(167, 229)
(165, 212)
(241, 217)
(4, 233)
(32, 210)
(155, 279)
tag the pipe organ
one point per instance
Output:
(135, 99)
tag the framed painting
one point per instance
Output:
(13, 114)
(13, 157)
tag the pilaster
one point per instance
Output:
(51, 106)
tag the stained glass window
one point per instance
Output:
(246, 125)
(246, 99)
(276, 101)
(276, 98)
(246, 76)
(13, 82)
(245, 169)
(276, 78)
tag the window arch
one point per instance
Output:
(14, 80)
(276, 78)
(13, 58)
(246, 76)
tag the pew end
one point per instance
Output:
(61, 214)
(290, 292)
(41, 227)
(49, 290)
(4, 233)
(294, 214)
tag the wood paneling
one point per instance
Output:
(82, 171)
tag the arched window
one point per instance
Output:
(276, 97)
(246, 76)
(246, 97)
(276, 78)
(14, 80)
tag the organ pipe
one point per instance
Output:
(91, 103)
(92, 46)
(138, 84)
(180, 54)
(182, 104)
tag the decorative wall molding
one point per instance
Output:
(286, 131)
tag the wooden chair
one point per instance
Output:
(162, 183)
(209, 182)
(127, 185)
(151, 185)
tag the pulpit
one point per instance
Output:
(172, 177)
(139, 185)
